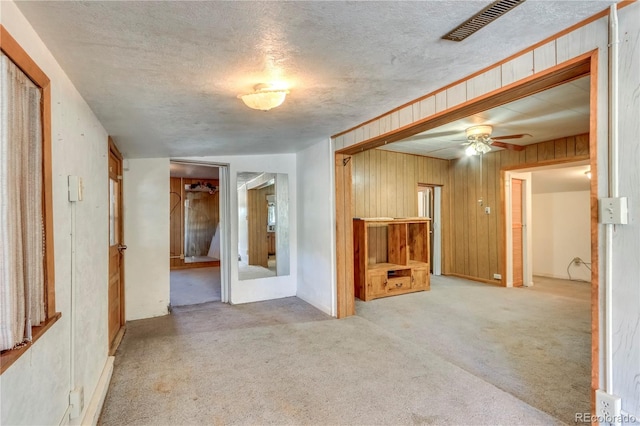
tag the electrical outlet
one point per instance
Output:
(608, 408)
(497, 276)
(577, 261)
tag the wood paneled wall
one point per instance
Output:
(176, 219)
(385, 184)
(257, 215)
(476, 238)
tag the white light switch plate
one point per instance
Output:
(613, 211)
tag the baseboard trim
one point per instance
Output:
(482, 280)
(94, 409)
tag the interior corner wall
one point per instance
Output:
(146, 234)
(255, 290)
(561, 225)
(316, 247)
(79, 147)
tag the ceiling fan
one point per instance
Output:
(479, 140)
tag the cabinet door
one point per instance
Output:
(376, 285)
(420, 279)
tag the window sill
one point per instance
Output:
(9, 356)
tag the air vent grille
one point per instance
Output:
(481, 19)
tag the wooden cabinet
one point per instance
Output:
(391, 256)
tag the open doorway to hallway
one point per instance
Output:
(548, 223)
(195, 233)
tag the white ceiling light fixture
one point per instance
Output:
(478, 140)
(264, 97)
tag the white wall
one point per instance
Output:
(626, 241)
(146, 234)
(35, 389)
(262, 288)
(561, 231)
(316, 227)
(243, 225)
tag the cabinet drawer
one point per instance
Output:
(398, 284)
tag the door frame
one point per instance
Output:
(527, 235)
(579, 66)
(113, 345)
(225, 228)
(436, 224)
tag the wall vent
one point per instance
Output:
(481, 19)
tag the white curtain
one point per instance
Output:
(21, 219)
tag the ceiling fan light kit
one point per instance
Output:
(264, 97)
(478, 139)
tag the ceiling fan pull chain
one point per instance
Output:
(480, 200)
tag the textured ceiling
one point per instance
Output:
(163, 77)
(554, 113)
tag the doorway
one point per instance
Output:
(548, 231)
(116, 249)
(518, 230)
(198, 225)
(430, 206)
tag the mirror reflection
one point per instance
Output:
(263, 222)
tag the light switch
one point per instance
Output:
(75, 188)
(613, 211)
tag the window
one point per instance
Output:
(27, 293)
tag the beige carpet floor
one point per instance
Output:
(193, 286)
(463, 353)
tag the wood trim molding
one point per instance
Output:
(13, 50)
(595, 257)
(552, 77)
(8, 357)
(113, 149)
(481, 280)
(19, 56)
(344, 237)
(531, 48)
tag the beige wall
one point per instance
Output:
(35, 389)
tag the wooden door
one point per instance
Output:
(116, 248)
(517, 231)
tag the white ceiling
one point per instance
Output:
(163, 77)
(561, 178)
(552, 114)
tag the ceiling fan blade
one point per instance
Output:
(518, 136)
(509, 146)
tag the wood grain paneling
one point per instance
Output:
(476, 247)
(176, 219)
(258, 221)
(385, 184)
(345, 304)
